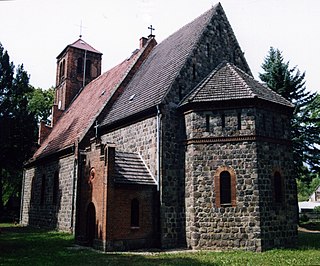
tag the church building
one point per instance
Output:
(176, 146)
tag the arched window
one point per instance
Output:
(55, 190)
(134, 213)
(225, 187)
(61, 70)
(79, 65)
(88, 68)
(43, 189)
(277, 188)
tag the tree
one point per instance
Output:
(40, 103)
(17, 123)
(289, 83)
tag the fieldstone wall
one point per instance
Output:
(140, 138)
(207, 225)
(216, 44)
(254, 152)
(38, 206)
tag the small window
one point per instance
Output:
(208, 50)
(277, 188)
(61, 70)
(263, 122)
(225, 188)
(223, 120)
(239, 121)
(88, 68)
(193, 71)
(80, 65)
(134, 213)
(55, 191)
(207, 123)
(43, 190)
(274, 124)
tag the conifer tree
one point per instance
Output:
(290, 83)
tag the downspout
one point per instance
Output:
(159, 188)
(74, 187)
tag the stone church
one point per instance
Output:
(177, 146)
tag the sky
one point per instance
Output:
(34, 32)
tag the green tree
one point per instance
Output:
(40, 103)
(18, 125)
(290, 83)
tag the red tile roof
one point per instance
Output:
(82, 112)
(80, 44)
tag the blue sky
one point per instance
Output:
(35, 31)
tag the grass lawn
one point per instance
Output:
(25, 246)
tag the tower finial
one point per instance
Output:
(80, 35)
(151, 29)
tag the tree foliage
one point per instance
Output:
(17, 124)
(40, 103)
(290, 83)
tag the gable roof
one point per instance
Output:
(228, 82)
(130, 169)
(80, 44)
(157, 74)
(82, 112)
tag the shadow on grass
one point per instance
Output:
(29, 246)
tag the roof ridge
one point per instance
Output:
(211, 10)
(233, 68)
(116, 86)
(264, 85)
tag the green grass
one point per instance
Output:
(25, 246)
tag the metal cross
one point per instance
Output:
(81, 28)
(96, 128)
(151, 29)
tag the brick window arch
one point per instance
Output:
(278, 187)
(225, 187)
(135, 213)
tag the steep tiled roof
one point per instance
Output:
(130, 169)
(81, 44)
(82, 112)
(157, 74)
(228, 82)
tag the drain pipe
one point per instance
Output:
(158, 148)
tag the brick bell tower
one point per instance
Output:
(77, 65)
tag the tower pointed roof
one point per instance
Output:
(81, 44)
